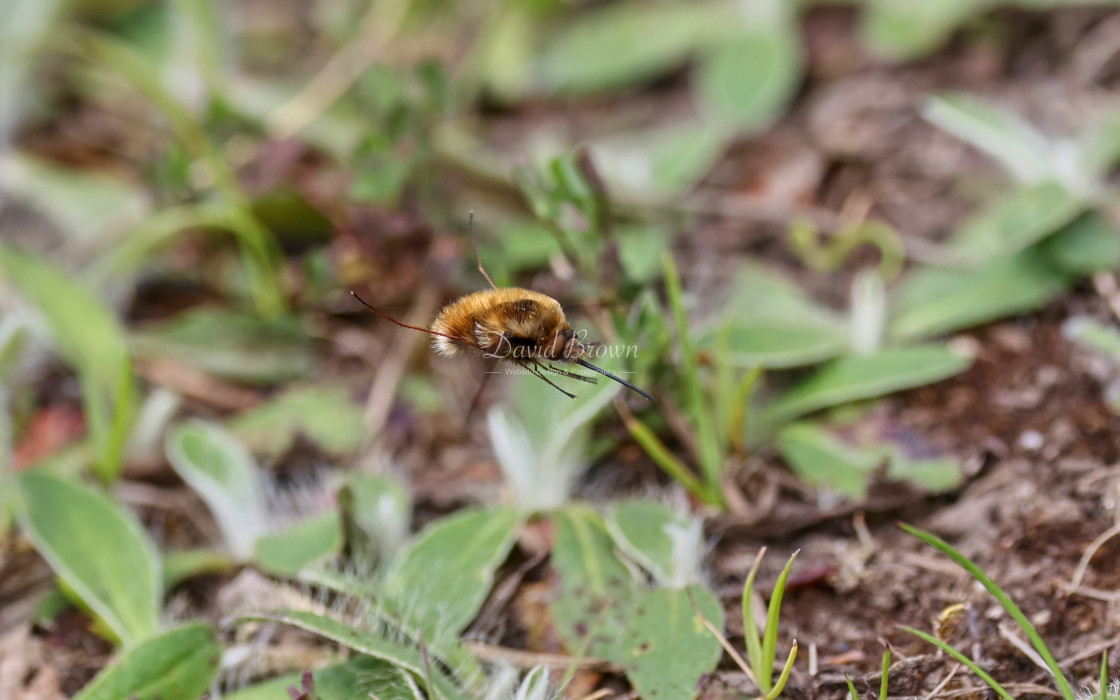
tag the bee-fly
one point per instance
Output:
(519, 325)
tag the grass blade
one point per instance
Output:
(1008, 605)
(981, 673)
(750, 627)
(773, 613)
(885, 673)
(711, 459)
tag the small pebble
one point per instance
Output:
(1031, 440)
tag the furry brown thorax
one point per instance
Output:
(517, 323)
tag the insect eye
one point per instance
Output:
(568, 333)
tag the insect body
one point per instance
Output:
(519, 325)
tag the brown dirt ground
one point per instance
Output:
(1026, 513)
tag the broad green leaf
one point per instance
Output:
(98, 550)
(176, 665)
(323, 414)
(377, 510)
(747, 81)
(13, 338)
(180, 565)
(844, 460)
(639, 252)
(596, 590)
(1098, 147)
(90, 338)
(518, 246)
(933, 301)
(365, 677)
(291, 218)
(900, 29)
(225, 475)
(541, 439)
(667, 543)
(667, 648)
(27, 28)
(1022, 150)
(628, 42)
(761, 294)
(404, 657)
(1011, 223)
(273, 689)
(442, 578)
(778, 343)
(84, 206)
(661, 162)
(535, 685)
(302, 544)
(935, 474)
(506, 50)
(865, 377)
(820, 459)
(1090, 243)
(231, 344)
(1094, 336)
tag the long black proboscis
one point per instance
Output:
(584, 363)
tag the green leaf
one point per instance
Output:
(224, 474)
(232, 345)
(778, 343)
(1098, 146)
(27, 29)
(865, 377)
(377, 510)
(301, 545)
(1089, 244)
(710, 449)
(14, 334)
(1094, 336)
(662, 161)
(900, 29)
(1021, 149)
(639, 252)
(627, 43)
(541, 439)
(176, 665)
(760, 293)
(403, 657)
(180, 565)
(667, 543)
(325, 415)
(933, 301)
(365, 677)
(442, 578)
(272, 689)
(85, 207)
(1011, 223)
(749, 80)
(91, 339)
(100, 551)
(596, 590)
(935, 474)
(667, 648)
(821, 459)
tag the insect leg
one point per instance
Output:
(535, 371)
(572, 375)
(477, 255)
